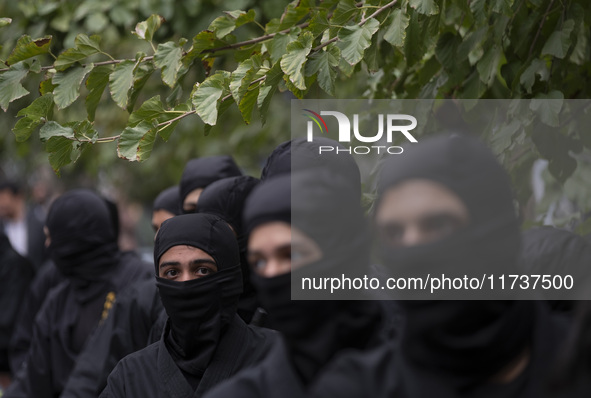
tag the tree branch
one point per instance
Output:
(531, 49)
(377, 12)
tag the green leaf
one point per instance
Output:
(559, 41)
(27, 48)
(54, 129)
(145, 29)
(247, 104)
(206, 97)
(63, 151)
(168, 59)
(548, 107)
(83, 131)
(136, 143)
(5, 21)
(580, 53)
(120, 81)
(85, 47)
(165, 131)
(427, 7)
(292, 62)
(355, 39)
(96, 83)
(278, 45)
(141, 74)
(528, 77)
(490, 64)
(273, 77)
(396, 32)
(324, 63)
(222, 26)
(243, 76)
(46, 86)
(33, 115)
(10, 84)
(243, 17)
(502, 6)
(149, 110)
(68, 85)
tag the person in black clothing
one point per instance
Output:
(84, 249)
(225, 198)
(307, 223)
(201, 172)
(16, 274)
(166, 205)
(448, 203)
(197, 265)
(552, 251)
(135, 321)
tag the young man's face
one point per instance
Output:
(276, 248)
(183, 263)
(8, 203)
(419, 211)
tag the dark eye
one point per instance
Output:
(171, 273)
(257, 263)
(441, 225)
(203, 271)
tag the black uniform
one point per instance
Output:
(84, 249)
(204, 341)
(16, 274)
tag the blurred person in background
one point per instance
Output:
(23, 226)
(201, 172)
(16, 274)
(135, 321)
(83, 245)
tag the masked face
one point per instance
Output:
(419, 211)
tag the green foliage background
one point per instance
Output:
(120, 77)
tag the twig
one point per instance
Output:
(377, 12)
(531, 49)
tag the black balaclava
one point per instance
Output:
(325, 207)
(553, 251)
(83, 241)
(201, 172)
(469, 341)
(225, 198)
(299, 154)
(168, 200)
(199, 310)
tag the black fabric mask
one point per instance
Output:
(225, 198)
(269, 201)
(83, 241)
(201, 309)
(299, 154)
(316, 330)
(467, 340)
(201, 172)
(168, 200)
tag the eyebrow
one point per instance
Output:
(280, 248)
(194, 262)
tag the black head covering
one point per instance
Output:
(83, 239)
(168, 200)
(299, 154)
(199, 310)
(553, 251)
(269, 201)
(467, 340)
(201, 172)
(225, 198)
(325, 208)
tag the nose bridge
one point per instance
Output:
(272, 267)
(412, 235)
(184, 276)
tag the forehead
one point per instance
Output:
(270, 235)
(184, 253)
(414, 199)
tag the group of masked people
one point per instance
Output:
(213, 316)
